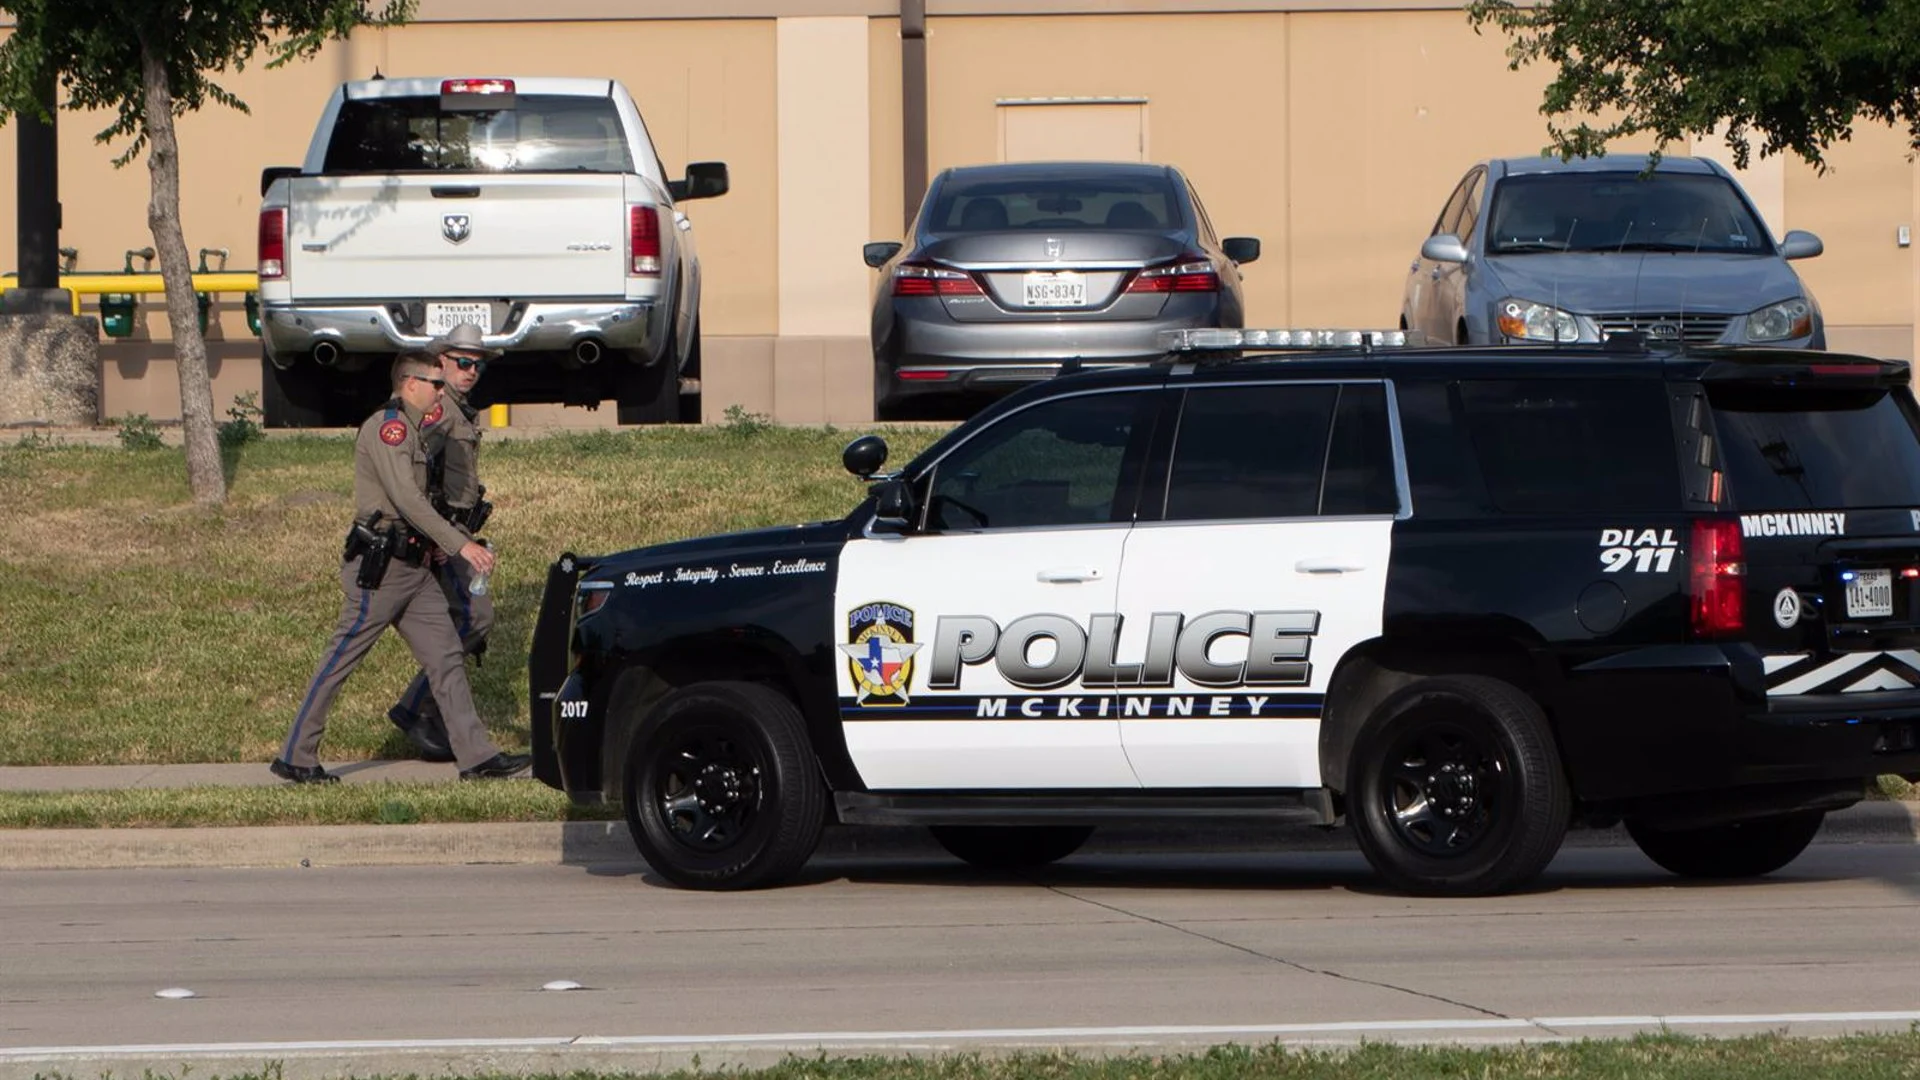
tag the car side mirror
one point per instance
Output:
(1800, 244)
(276, 172)
(877, 253)
(864, 455)
(1445, 248)
(892, 507)
(705, 180)
(1241, 249)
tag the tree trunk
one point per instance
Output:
(205, 475)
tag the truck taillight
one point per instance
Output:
(1191, 273)
(273, 243)
(1716, 585)
(643, 240)
(910, 279)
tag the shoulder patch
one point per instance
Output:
(393, 432)
(432, 417)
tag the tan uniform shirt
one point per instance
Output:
(390, 475)
(460, 477)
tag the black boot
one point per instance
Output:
(428, 737)
(302, 774)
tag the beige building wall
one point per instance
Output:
(1331, 131)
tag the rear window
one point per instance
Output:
(541, 133)
(1817, 449)
(1119, 201)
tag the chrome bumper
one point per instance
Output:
(292, 329)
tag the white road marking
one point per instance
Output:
(1222, 1031)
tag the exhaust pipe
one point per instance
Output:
(326, 353)
(586, 351)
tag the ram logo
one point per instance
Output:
(456, 227)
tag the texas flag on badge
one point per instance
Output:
(879, 652)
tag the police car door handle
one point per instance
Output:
(1067, 574)
(1327, 566)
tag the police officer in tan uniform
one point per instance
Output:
(387, 581)
(452, 435)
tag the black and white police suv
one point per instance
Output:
(1461, 598)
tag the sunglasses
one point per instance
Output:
(435, 383)
(467, 364)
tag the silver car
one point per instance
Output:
(1535, 249)
(1011, 271)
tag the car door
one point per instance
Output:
(1423, 307)
(962, 642)
(1453, 284)
(1260, 558)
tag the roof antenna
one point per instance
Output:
(376, 73)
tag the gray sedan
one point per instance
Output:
(1011, 271)
(1535, 249)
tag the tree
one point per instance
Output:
(149, 62)
(1796, 74)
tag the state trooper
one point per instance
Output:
(452, 437)
(385, 577)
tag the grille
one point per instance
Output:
(1692, 329)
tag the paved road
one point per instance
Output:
(1105, 950)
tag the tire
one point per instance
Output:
(721, 790)
(689, 404)
(291, 398)
(1011, 847)
(1455, 788)
(1739, 850)
(647, 395)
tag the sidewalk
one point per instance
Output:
(603, 844)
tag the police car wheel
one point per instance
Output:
(720, 788)
(1455, 788)
(1737, 850)
(1011, 847)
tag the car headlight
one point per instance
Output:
(1532, 321)
(1778, 322)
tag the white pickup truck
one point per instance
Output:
(534, 208)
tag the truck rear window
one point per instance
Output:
(1817, 449)
(541, 133)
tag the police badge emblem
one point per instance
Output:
(879, 651)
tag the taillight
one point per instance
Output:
(1717, 578)
(643, 240)
(273, 243)
(1191, 274)
(910, 279)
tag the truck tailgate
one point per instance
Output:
(518, 235)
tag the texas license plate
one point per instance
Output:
(1057, 289)
(1870, 594)
(444, 317)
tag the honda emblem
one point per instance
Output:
(456, 227)
(1054, 247)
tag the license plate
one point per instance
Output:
(1870, 594)
(444, 317)
(1061, 289)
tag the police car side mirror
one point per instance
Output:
(892, 506)
(864, 455)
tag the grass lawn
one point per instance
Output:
(137, 629)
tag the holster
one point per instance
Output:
(410, 546)
(374, 548)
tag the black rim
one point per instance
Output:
(1446, 787)
(708, 787)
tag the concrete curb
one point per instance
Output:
(607, 844)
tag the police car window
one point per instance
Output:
(1807, 449)
(1552, 446)
(1250, 452)
(1061, 462)
(1360, 474)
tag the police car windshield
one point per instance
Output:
(541, 133)
(1817, 449)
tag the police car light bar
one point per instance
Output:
(1207, 339)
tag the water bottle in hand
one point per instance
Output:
(478, 587)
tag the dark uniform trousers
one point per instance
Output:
(410, 600)
(472, 618)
